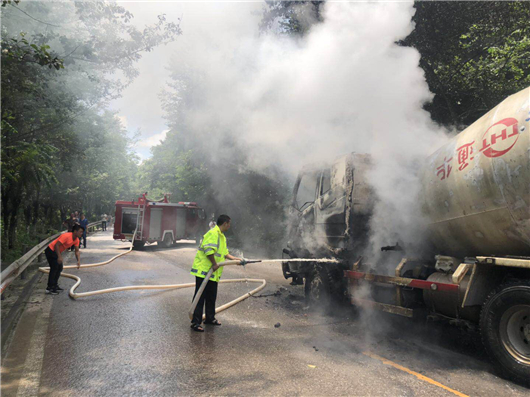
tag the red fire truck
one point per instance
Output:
(158, 221)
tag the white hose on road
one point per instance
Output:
(248, 294)
(76, 295)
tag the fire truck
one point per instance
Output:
(158, 221)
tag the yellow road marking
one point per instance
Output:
(417, 375)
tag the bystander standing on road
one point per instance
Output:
(104, 222)
(84, 224)
(70, 223)
(55, 259)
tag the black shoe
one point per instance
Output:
(52, 291)
(59, 289)
(197, 328)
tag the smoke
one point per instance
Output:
(285, 102)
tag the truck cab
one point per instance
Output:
(329, 214)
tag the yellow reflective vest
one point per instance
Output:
(213, 243)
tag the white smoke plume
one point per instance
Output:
(345, 87)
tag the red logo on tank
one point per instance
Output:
(500, 138)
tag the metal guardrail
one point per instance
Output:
(18, 266)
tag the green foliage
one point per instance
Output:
(474, 55)
(23, 51)
(6, 2)
(61, 151)
(290, 17)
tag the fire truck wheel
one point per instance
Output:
(138, 244)
(505, 329)
(168, 241)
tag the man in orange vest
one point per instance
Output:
(55, 259)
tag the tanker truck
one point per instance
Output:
(474, 269)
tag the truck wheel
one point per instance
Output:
(321, 287)
(138, 244)
(316, 290)
(167, 242)
(505, 329)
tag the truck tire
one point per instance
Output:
(505, 329)
(137, 244)
(322, 288)
(167, 242)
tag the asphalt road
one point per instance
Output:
(140, 343)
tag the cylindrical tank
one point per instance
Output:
(450, 303)
(476, 188)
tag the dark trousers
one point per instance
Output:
(55, 268)
(104, 225)
(84, 240)
(208, 297)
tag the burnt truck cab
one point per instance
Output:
(328, 217)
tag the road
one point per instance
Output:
(139, 342)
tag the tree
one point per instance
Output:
(56, 80)
(291, 17)
(474, 55)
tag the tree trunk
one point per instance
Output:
(454, 116)
(5, 214)
(48, 215)
(63, 216)
(36, 205)
(13, 225)
(27, 216)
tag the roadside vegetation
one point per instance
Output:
(63, 150)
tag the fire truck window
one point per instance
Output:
(306, 191)
(325, 184)
(128, 223)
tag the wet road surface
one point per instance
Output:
(139, 342)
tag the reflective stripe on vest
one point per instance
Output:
(212, 245)
(196, 271)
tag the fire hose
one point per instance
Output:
(76, 295)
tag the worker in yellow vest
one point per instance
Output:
(213, 250)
